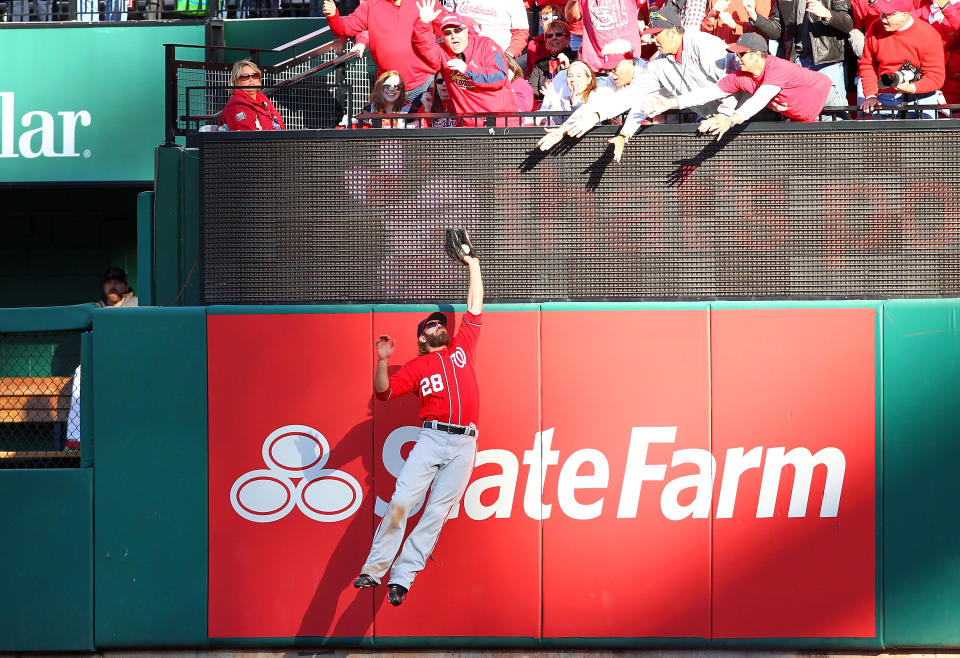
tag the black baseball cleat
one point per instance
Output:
(363, 580)
(396, 594)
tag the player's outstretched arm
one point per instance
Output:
(381, 376)
(475, 291)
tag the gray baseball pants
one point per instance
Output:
(446, 461)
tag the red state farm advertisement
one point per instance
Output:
(291, 467)
(654, 473)
(794, 434)
(483, 578)
(622, 392)
(282, 562)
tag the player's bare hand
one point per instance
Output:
(384, 346)
(329, 8)
(428, 10)
(358, 49)
(471, 260)
(552, 138)
(619, 142)
(583, 122)
(457, 65)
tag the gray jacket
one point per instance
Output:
(703, 61)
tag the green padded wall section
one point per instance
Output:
(150, 402)
(46, 574)
(921, 571)
(176, 222)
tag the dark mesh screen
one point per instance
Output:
(359, 216)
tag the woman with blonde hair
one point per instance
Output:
(248, 108)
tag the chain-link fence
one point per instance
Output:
(40, 399)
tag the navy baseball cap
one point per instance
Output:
(662, 19)
(747, 42)
(114, 274)
(436, 315)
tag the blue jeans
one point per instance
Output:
(838, 83)
(888, 98)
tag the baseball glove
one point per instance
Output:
(458, 244)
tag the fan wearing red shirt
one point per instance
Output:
(890, 42)
(444, 379)
(388, 24)
(797, 93)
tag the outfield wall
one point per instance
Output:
(591, 519)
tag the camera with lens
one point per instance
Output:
(907, 73)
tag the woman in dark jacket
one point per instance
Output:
(556, 36)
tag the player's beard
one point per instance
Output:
(438, 339)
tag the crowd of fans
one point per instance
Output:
(723, 60)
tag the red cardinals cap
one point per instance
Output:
(892, 6)
(436, 315)
(749, 41)
(448, 18)
(662, 19)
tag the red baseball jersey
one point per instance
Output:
(445, 380)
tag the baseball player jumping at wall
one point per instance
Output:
(443, 377)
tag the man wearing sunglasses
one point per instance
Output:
(786, 87)
(689, 60)
(473, 66)
(444, 379)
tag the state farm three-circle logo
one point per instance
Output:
(295, 452)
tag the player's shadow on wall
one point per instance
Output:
(320, 623)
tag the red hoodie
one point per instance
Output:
(244, 113)
(483, 87)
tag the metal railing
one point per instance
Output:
(310, 88)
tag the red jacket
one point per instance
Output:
(483, 87)
(885, 52)
(244, 113)
(389, 40)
